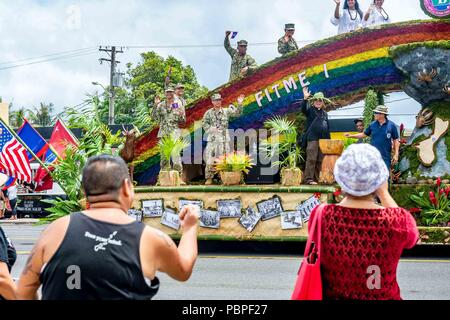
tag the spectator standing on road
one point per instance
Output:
(7, 259)
(12, 197)
(102, 253)
(362, 242)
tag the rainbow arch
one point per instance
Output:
(343, 67)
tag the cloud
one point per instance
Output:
(34, 28)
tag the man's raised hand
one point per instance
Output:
(306, 93)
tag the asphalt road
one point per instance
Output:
(259, 276)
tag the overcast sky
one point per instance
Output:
(41, 28)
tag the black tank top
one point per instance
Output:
(97, 261)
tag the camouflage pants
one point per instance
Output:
(213, 151)
(177, 165)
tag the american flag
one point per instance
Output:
(13, 156)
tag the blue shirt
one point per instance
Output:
(382, 137)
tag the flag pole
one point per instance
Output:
(15, 135)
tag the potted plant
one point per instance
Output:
(283, 144)
(232, 166)
(169, 148)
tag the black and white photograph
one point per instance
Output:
(270, 209)
(184, 203)
(152, 208)
(291, 220)
(250, 219)
(210, 219)
(307, 207)
(136, 214)
(229, 208)
(171, 219)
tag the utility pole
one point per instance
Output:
(111, 51)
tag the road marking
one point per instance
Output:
(21, 253)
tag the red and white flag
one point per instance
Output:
(13, 156)
(60, 139)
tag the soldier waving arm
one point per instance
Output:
(227, 45)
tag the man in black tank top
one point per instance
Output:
(102, 253)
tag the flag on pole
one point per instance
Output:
(35, 143)
(60, 139)
(14, 161)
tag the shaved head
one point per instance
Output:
(104, 175)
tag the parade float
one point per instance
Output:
(409, 57)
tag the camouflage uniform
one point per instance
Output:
(285, 47)
(168, 118)
(182, 100)
(218, 142)
(239, 62)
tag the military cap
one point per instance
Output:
(170, 89)
(289, 26)
(243, 43)
(179, 86)
(216, 96)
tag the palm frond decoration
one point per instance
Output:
(282, 142)
(172, 146)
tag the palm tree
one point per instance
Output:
(16, 117)
(43, 115)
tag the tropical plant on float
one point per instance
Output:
(232, 166)
(234, 162)
(97, 139)
(434, 207)
(170, 147)
(282, 144)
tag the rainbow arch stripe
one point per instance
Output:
(354, 62)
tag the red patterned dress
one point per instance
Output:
(361, 249)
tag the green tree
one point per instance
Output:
(147, 78)
(142, 83)
(43, 115)
(16, 117)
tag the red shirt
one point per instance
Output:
(355, 242)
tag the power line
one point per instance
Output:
(48, 55)
(48, 60)
(205, 45)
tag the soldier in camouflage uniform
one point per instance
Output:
(169, 113)
(242, 63)
(215, 124)
(179, 94)
(287, 43)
